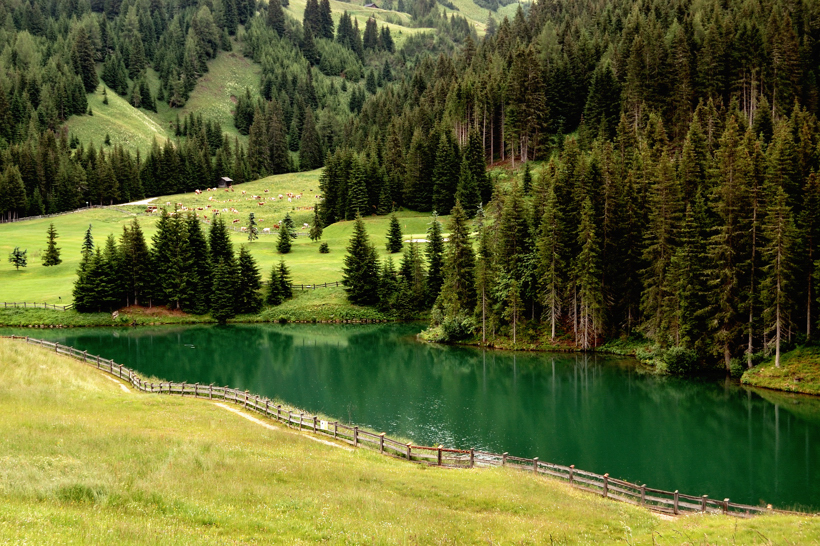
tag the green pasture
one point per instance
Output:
(85, 462)
(307, 265)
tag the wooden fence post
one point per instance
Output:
(246, 399)
(301, 418)
(381, 443)
(288, 423)
(267, 412)
(472, 457)
(438, 455)
(703, 503)
(571, 472)
(676, 503)
(314, 423)
(725, 506)
(56, 347)
(504, 458)
(335, 428)
(196, 390)
(643, 494)
(606, 485)
(120, 375)
(211, 391)
(535, 465)
(85, 356)
(355, 436)
(408, 450)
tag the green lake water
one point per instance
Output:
(599, 413)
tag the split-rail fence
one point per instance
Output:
(670, 502)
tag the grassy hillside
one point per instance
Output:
(84, 461)
(130, 127)
(307, 265)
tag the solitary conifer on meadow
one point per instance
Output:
(361, 267)
(394, 235)
(52, 254)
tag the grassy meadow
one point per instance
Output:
(307, 265)
(799, 372)
(84, 461)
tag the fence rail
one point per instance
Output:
(37, 305)
(671, 502)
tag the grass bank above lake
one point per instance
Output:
(799, 372)
(84, 461)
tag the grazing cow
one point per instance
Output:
(305, 226)
(275, 226)
(261, 203)
(266, 191)
(289, 199)
(243, 228)
(266, 230)
(280, 196)
(235, 221)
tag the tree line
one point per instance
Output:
(183, 269)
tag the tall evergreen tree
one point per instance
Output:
(394, 235)
(458, 295)
(361, 267)
(435, 259)
(52, 253)
(223, 292)
(249, 283)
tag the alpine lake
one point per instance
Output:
(600, 413)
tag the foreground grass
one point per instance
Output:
(83, 461)
(799, 372)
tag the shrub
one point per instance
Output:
(457, 327)
(323, 248)
(680, 361)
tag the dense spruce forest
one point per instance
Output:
(677, 198)
(54, 52)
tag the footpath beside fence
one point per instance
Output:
(670, 502)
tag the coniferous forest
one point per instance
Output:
(653, 164)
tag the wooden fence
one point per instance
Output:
(36, 305)
(670, 502)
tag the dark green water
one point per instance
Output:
(598, 413)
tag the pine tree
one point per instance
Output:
(458, 291)
(249, 282)
(484, 276)
(173, 261)
(284, 243)
(253, 231)
(84, 61)
(88, 243)
(361, 267)
(285, 281)
(52, 253)
(201, 256)
(219, 242)
(588, 279)
(435, 259)
(550, 255)
(779, 235)
(135, 258)
(526, 179)
(394, 235)
(18, 258)
(274, 295)
(222, 292)
(288, 221)
(317, 227)
(446, 176)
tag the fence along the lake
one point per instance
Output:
(671, 502)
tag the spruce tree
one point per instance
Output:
(248, 298)
(446, 174)
(284, 243)
(526, 179)
(394, 235)
(276, 17)
(253, 231)
(52, 253)
(467, 190)
(435, 259)
(84, 61)
(18, 258)
(316, 228)
(311, 155)
(201, 264)
(588, 279)
(361, 267)
(550, 255)
(457, 295)
(285, 282)
(779, 237)
(135, 258)
(88, 243)
(484, 277)
(274, 295)
(222, 292)
(219, 242)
